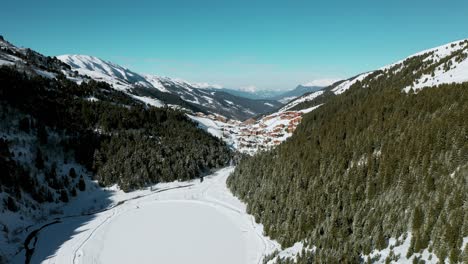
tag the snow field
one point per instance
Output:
(197, 223)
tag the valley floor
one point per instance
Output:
(191, 222)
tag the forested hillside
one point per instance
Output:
(48, 124)
(371, 164)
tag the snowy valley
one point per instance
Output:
(151, 169)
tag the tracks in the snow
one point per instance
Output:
(33, 235)
(211, 192)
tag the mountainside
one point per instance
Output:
(159, 91)
(432, 67)
(378, 172)
(60, 141)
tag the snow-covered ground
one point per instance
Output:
(302, 99)
(343, 87)
(397, 249)
(213, 127)
(179, 222)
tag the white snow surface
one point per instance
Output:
(458, 72)
(399, 248)
(302, 99)
(291, 252)
(310, 109)
(208, 125)
(198, 222)
(119, 77)
(344, 86)
(6, 62)
(148, 100)
(156, 82)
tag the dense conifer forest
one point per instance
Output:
(117, 139)
(371, 164)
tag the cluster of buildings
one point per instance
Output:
(267, 132)
(254, 135)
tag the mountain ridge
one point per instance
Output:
(196, 99)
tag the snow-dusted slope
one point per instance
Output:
(451, 65)
(158, 90)
(441, 65)
(344, 86)
(30, 62)
(305, 98)
(121, 78)
(449, 60)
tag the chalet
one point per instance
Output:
(249, 121)
(278, 129)
(266, 118)
(221, 119)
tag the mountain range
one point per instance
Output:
(159, 91)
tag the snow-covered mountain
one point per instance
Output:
(116, 75)
(31, 62)
(441, 65)
(159, 91)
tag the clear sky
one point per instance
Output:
(238, 43)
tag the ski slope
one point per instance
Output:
(188, 222)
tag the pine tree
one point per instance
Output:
(39, 160)
(42, 134)
(81, 184)
(72, 173)
(11, 204)
(64, 196)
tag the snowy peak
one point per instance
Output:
(121, 78)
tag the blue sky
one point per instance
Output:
(263, 44)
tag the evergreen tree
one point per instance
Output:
(81, 184)
(39, 160)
